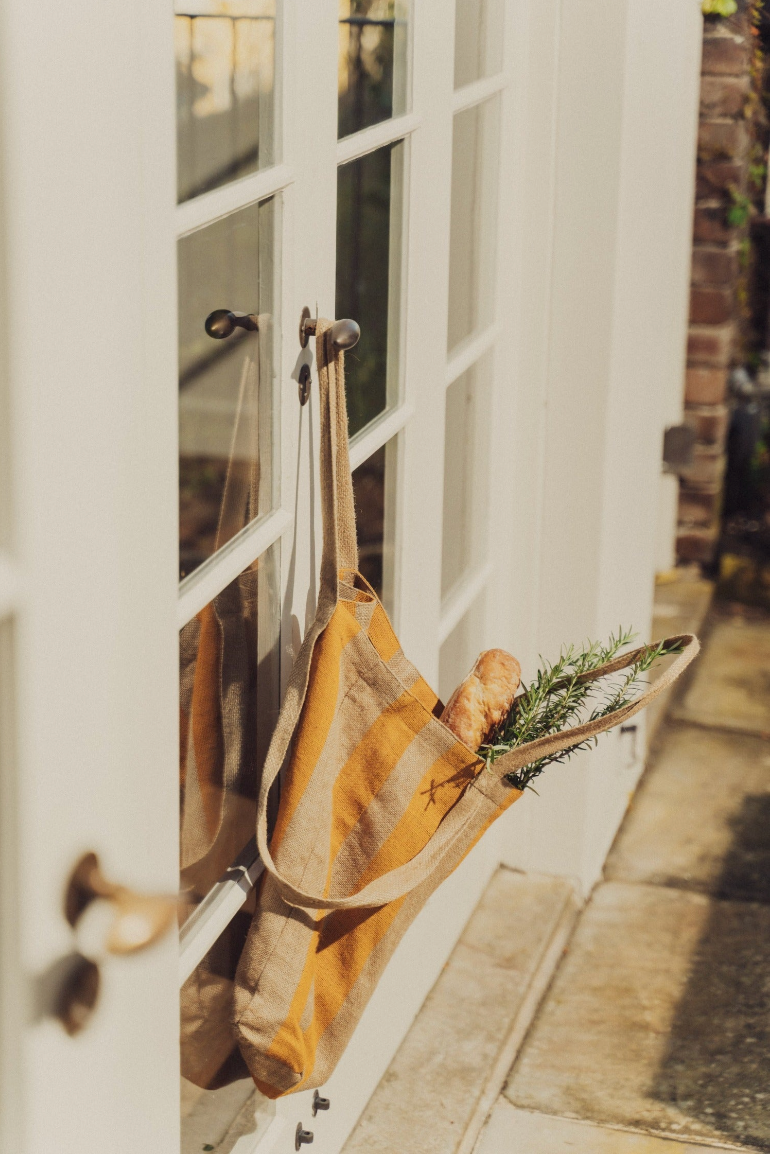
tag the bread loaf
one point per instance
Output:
(485, 697)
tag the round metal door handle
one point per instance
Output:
(302, 1137)
(139, 920)
(345, 333)
(223, 323)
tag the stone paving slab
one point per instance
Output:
(658, 1019)
(731, 683)
(701, 817)
(450, 1067)
(680, 607)
(511, 1131)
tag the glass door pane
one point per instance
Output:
(225, 67)
(478, 39)
(228, 705)
(370, 194)
(466, 467)
(220, 1105)
(372, 63)
(474, 217)
(374, 492)
(226, 436)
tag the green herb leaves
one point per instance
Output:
(560, 697)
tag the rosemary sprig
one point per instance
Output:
(560, 697)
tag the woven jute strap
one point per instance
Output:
(339, 552)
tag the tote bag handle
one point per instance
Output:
(398, 882)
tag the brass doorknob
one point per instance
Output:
(138, 920)
(223, 323)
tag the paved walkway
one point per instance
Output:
(654, 1037)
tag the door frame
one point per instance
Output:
(91, 570)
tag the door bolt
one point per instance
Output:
(319, 1103)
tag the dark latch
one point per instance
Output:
(302, 1137)
(678, 448)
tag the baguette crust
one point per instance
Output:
(484, 698)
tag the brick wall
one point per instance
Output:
(723, 148)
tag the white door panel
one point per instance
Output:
(95, 243)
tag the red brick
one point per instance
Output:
(710, 306)
(710, 226)
(707, 468)
(710, 345)
(724, 56)
(699, 508)
(705, 386)
(715, 179)
(697, 544)
(723, 95)
(710, 423)
(722, 139)
(714, 266)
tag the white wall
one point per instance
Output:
(600, 375)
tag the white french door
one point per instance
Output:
(245, 158)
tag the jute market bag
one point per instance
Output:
(379, 803)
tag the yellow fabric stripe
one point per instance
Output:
(317, 714)
(445, 782)
(349, 936)
(373, 760)
(382, 636)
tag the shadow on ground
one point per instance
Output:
(716, 1068)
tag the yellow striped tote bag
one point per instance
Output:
(379, 802)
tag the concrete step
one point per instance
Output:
(511, 1131)
(658, 1019)
(701, 817)
(450, 1068)
(731, 683)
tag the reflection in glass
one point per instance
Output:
(466, 451)
(372, 63)
(374, 490)
(460, 650)
(219, 1101)
(473, 226)
(478, 39)
(226, 448)
(228, 705)
(225, 67)
(369, 241)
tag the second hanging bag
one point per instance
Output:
(379, 803)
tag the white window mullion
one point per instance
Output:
(478, 91)
(216, 911)
(212, 577)
(370, 139)
(470, 351)
(374, 436)
(210, 206)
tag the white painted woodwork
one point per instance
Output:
(88, 204)
(585, 349)
(612, 378)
